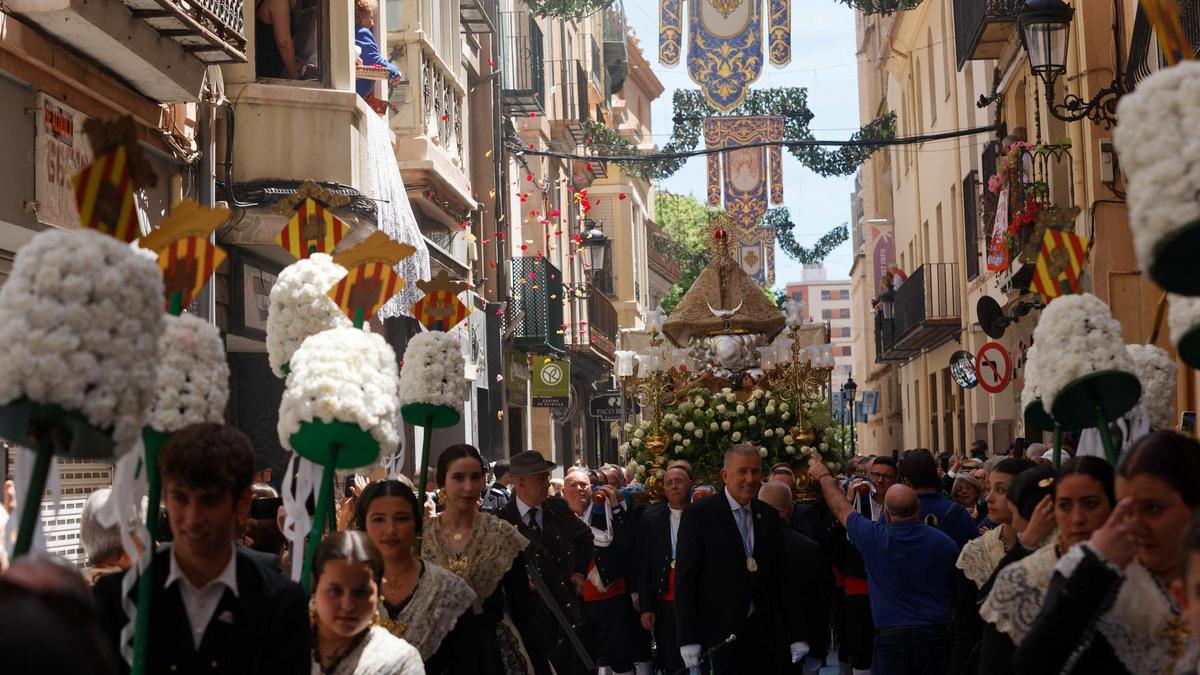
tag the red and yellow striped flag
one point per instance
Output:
(365, 289)
(104, 196)
(1059, 264)
(311, 229)
(187, 264)
(1164, 16)
(439, 310)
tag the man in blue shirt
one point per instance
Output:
(919, 472)
(910, 573)
(368, 48)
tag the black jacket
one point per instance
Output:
(714, 588)
(615, 561)
(807, 576)
(653, 561)
(263, 629)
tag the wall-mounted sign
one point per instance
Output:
(551, 382)
(61, 150)
(993, 367)
(606, 406)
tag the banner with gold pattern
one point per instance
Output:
(371, 281)
(1059, 264)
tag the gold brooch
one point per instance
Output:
(1046, 482)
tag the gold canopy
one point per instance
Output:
(723, 300)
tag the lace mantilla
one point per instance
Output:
(1140, 625)
(438, 600)
(1017, 595)
(380, 653)
(981, 556)
(488, 556)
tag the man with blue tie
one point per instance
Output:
(731, 595)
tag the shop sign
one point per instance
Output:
(551, 382)
(61, 150)
(606, 406)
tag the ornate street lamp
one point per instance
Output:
(594, 244)
(1045, 27)
(849, 390)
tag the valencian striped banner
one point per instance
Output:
(104, 196)
(440, 308)
(311, 229)
(1164, 16)
(1059, 264)
(365, 289)
(187, 265)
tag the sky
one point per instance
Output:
(823, 61)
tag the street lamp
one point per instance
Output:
(594, 244)
(849, 390)
(1045, 27)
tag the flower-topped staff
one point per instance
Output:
(431, 381)
(79, 326)
(1157, 372)
(300, 306)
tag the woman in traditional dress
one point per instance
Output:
(347, 571)
(420, 601)
(979, 560)
(1082, 499)
(487, 553)
(1108, 609)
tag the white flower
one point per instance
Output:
(628, 427)
(737, 436)
(345, 375)
(637, 442)
(624, 448)
(741, 409)
(783, 406)
(779, 431)
(679, 448)
(721, 409)
(730, 398)
(1157, 372)
(300, 306)
(699, 402)
(769, 433)
(726, 391)
(762, 452)
(751, 404)
(758, 393)
(725, 425)
(752, 420)
(687, 442)
(824, 447)
(639, 433)
(193, 375)
(785, 416)
(677, 437)
(714, 426)
(433, 371)
(1081, 337)
(689, 426)
(699, 433)
(770, 410)
(80, 319)
(788, 440)
(791, 449)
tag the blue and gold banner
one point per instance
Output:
(780, 29)
(670, 31)
(750, 179)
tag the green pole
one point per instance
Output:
(33, 499)
(175, 304)
(152, 441)
(359, 317)
(1057, 445)
(324, 501)
(1110, 448)
(425, 445)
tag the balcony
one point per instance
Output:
(535, 316)
(885, 343)
(160, 46)
(523, 76)
(596, 72)
(599, 333)
(661, 263)
(567, 104)
(474, 17)
(984, 28)
(616, 56)
(926, 310)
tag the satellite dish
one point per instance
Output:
(962, 369)
(991, 317)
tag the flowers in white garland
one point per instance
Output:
(1160, 154)
(345, 375)
(1080, 336)
(1031, 391)
(1157, 372)
(193, 375)
(300, 306)
(433, 371)
(80, 318)
(1183, 317)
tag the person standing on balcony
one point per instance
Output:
(368, 48)
(274, 51)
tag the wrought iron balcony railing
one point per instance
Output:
(928, 307)
(535, 317)
(522, 62)
(983, 27)
(213, 30)
(567, 105)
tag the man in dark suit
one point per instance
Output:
(560, 548)
(730, 578)
(214, 608)
(658, 533)
(807, 573)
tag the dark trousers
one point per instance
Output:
(912, 650)
(611, 624)
(751, 652)
(858, 632)
(666, 645)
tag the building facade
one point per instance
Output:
(828, 301)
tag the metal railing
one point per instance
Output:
(603, 325)
(596, 69)
(536, 314)
(214, 30)
(928, 306)
(566, 81)
(522, 63)
(972, 19)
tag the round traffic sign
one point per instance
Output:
(994, 367)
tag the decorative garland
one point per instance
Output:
(781, 221)
(691, 109)
(884, 7)
(567, 10)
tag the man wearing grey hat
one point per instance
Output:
(560, 548)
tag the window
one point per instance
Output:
(932, 80)
(797, 295)
(970, 225)
(845, 331)
(844, 313)
(843, 295)
(827, 314)
(824, 295)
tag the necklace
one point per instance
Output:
(1175, 631)
(458, 536)
(337, 658)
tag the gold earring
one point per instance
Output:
(312, 613)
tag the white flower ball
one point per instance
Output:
(300, 306)
(80, 319)
(345, 375)
(741, 409)
(725, 425)
(193, 375)
(737, 436)
(433, 371)
(689, 426)
(762, 452)
(1081, 337)
(769, 433)
(699, 433)
(714, 426)
(752, 420)
(1157, 372)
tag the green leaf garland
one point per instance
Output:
(567, 10)
(884, 7)
(780, 220)
(691, 109)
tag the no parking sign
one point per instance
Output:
(994, 367)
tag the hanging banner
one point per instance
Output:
(670, 31)
(997, 258)
(551, 386)
(61, 150)
(882, 245)
(1059, 264)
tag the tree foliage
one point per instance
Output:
(684, 222)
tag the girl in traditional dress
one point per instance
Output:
(347, 571)
(420, 601)
(487, 553)
(1082, 499)
(1108, 609)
